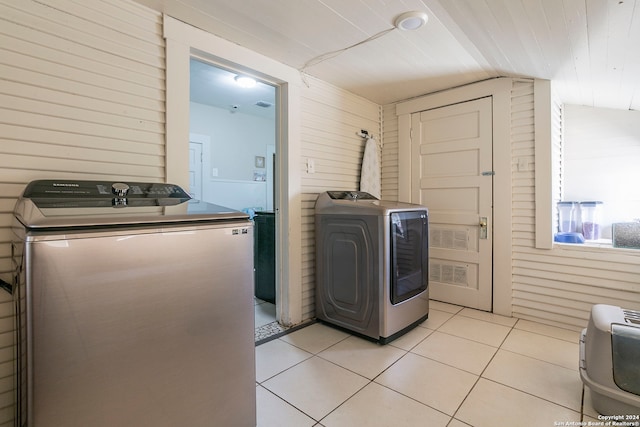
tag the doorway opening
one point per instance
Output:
(233, 162)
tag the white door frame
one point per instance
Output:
(182, 41)
(500, 91)
(462, 183)
(271, 152)
(197, 169)
(205, 140)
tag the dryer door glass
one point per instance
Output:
(409, 255)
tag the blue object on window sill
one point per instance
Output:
(568, 238)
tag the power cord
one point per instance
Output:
(325, 56)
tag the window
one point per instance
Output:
(601, 162)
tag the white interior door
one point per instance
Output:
(195, 170)
(451, 166)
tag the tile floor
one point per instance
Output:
(265, 320)
(461, 367)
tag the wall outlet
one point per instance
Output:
(214, 172)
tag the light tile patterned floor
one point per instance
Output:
(265, 320)
(459, 368)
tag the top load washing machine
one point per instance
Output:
(372, 260)
(134, 307)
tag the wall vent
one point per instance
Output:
(449, 273)
(449, 239)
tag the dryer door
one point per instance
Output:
(409, 258)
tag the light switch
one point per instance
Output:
(214, 172)
(311, 166)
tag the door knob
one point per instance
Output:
(483, 227)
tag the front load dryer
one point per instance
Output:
(372, 259)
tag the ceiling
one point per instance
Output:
(590, 49)
(217, 87)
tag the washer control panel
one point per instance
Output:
(120, 189)
(67, 193)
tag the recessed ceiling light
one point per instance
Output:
(410, 21)
(245, 81)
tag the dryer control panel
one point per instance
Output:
(351, 195)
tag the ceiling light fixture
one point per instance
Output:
(410, 21)
(245, 81)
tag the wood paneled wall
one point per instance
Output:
(389, 164)
(331, 117)
(82, 92)
(81, 96)
(558, 286)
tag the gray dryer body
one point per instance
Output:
(371, 264)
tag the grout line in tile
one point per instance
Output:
(453, 306)
(511, 328)
(533, 395)
(320, 351)
(319, 357)
(389, 367)
(456, 367)
(506, 385)
(535, 358)
(402, 394)
(483, 371)
(469, 392)
(539, 360)
(504, 340)
(345, 401)
(289, 403)
(544, 335)
(461, 422)
(412, 398)
(353, 372)
(285, 370)
(414, 346)
(462, 314)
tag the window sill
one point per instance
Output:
(601, 245)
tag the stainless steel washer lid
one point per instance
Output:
(66, 203)
(359, 203)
